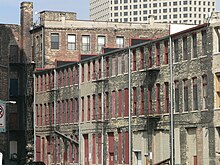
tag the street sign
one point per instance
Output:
(1, 157)
(2, 118)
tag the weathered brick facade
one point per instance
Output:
(95, 109)
(16, 72)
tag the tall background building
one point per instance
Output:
(173, 11)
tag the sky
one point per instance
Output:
(10, 9)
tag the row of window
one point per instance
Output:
(121, 144)
(50, 150)
(85, 42)
(145, 57)
(159, 10)
(174, 3)
(67, 110)
(192, 90)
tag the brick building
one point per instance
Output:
(57, 39)
(59, 36)
(115, 108)
(15, 84)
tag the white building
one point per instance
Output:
(173, 11)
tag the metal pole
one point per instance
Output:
(79, 125)
(172, 142)
(129, 105)
(102, 76)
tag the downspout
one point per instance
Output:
(55, 104)
(55, 98)
(103, 134)
(34, 117)
(79, 125)
(129, 105)
(172, 143)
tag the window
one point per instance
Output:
(134, 60)
(120, 42)
(82, 66)
(93, 148)
(71, 42)
(88, 70)
(93, 71)
(99, 113)
(150, 63)
(85, 43)
(126, 102)
(101, 43)
(142, 58)
(185, 46)
(204, 91)
(194, 45)
(13, 87)
(93, 107)
(54, 41)
(119, 103)
(157, 98)
(142, 100)
(195, 94)
(217, 89)
(166, 97)
(100, 68)
(107, 67)
(134, 101)
(82, 104)
(158, 54)
(204, 42)
(113, 104)
(106, 105)
(175, 3)
(165, 52)
(185, 95)
(176, 96)
(149, 100)
(88, 108)
(176, 50)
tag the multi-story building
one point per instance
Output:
(16, 85)
(178, 11)
(59, 38)
(115, 108)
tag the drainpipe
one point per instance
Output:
(55, 104)
(103, 134)
(34, 117)
(55, 98)
(79, 125)
(129, 105)
(172, 143)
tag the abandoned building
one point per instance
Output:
(58, 39)
(101, 91)
(114, 108)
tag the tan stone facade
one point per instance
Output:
(112, 110)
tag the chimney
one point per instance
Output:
(26, 21)
(151, 19)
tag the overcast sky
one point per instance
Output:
(10, 9)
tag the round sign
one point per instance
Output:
(1, 111)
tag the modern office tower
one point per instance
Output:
(173, 11)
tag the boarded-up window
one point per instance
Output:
(13, 54)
